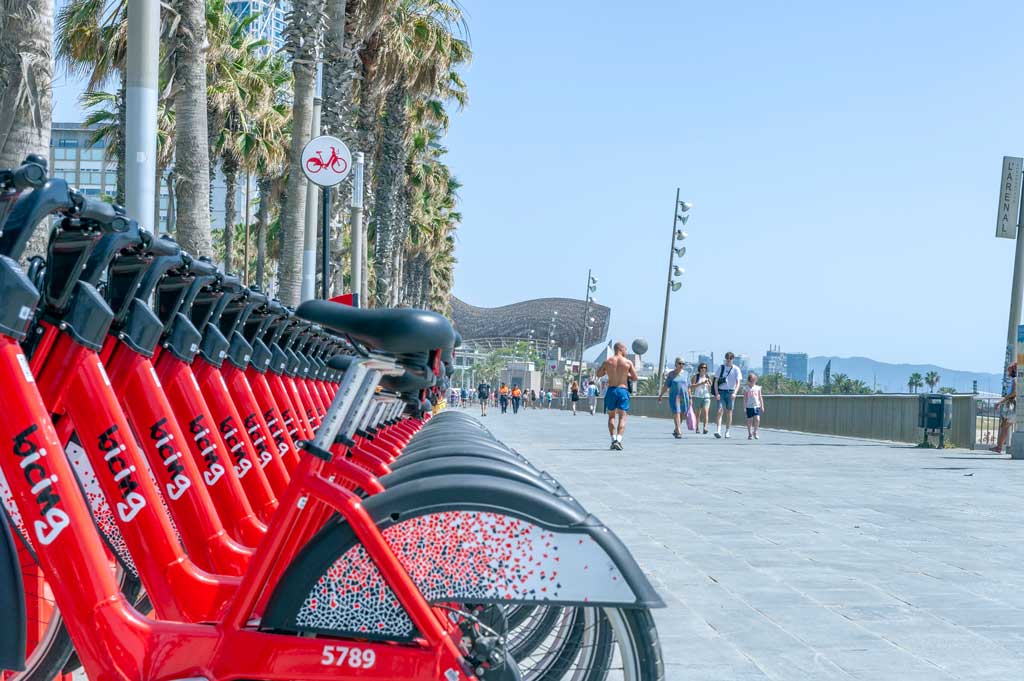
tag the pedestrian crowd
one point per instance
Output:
(689, 396)
(506, 396)
(691, 393)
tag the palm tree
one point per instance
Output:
(26, 71)
(104, 118)
(264, 150)
(432, 191)
(419, 49)
(914, 382)
(91, 40)
(191, 148)
(304, 38)
(932, 378)
(240, 85)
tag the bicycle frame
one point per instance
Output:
(115, 642)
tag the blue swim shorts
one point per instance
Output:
(616, 398)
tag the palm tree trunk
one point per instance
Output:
(122, 148)
(304, 36)
(390, 183)
(294, 214)
(337, 116)
(191, 150)
(156, 198)
(172, 226)
(262, 225)
(425, 282)
(230, 189)
(26, 72)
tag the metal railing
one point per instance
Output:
(892, 417)
(986, 420)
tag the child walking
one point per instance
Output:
(754, 402)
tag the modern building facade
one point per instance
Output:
(792, 365)
(796, 366)
(270, 23)
(84, 166)
(530, 321)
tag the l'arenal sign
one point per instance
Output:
(1009, 197)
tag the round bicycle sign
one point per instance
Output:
(326, 161)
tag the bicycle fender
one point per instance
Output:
(462, 539)
(459, 449)
(12, 602)
(477, 465)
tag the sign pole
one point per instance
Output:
(326, 161)
(1008, 228)
(325, 255)
(1017, 443)
(309, 239)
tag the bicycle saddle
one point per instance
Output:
(392, 330)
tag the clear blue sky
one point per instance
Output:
(841, 158)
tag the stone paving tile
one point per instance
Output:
(805, 557)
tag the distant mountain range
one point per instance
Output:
(893, 377)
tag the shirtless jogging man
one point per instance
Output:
(619, 370)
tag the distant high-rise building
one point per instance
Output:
(796, 366)
(792, 365)
(743, 362)
(270, 23)
(774, 362)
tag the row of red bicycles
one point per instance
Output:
(200, 483)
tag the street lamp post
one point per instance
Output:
(679, 217)
(547, 347)
(141, 89)
(591, 287)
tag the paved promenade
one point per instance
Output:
(802, 557)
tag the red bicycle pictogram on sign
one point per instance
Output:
(335, 162)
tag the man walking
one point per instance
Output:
(727, 380)
(503, 398)
(619, 371)
(483, 391)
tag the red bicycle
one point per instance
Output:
(444, 572)
(335, 162)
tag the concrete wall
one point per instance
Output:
(875, 417)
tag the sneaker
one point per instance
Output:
(750, 437)
(705, 431)
(614, 445)
(755, 436)
(727, 435)
(677, 436)
(618, 445)
(718, 436)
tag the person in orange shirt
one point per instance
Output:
(517, 397)
(503, 398)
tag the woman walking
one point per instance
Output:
(678, 395)
(574, 395)
(753, 400)
(517, 396)
(1006, 408)
(700, 388)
